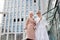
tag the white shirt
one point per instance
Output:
(41, 32)
(45, 22)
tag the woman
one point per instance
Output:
(41, 32)
(30, 28)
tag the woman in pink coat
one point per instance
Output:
(30, 28)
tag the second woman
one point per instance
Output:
(30, 27)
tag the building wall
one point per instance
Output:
(54, 20)
(17, 12)
(1, 15)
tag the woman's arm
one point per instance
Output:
(26, 24)
(34, 24)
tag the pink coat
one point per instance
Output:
(30, 28)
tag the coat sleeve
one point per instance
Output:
(26, 24)
(35, 25)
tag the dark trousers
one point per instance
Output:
(28, 39)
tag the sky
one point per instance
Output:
(1, 9)
(1, 5)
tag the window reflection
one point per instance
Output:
(3, 37)
(34, 1)
(18, 28)
(11, 37)
(22, 27)
(19, 36)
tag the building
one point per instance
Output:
(0, 32)
(1, 15)
(16, 13)
(53, 17)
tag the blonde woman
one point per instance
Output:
(30, 27)
(41, 31)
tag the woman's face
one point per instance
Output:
(38, 14)
(31, 15)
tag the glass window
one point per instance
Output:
(22, 11)
(30, 2)
(30, 9)
(18, 13)
(9, 28)
(21, 27)
(6, 25)
(34, 1)
(14, 25)
(14, 28)
(2, 25)
(30, 5)
(27, 3)
(26, 17)
(22, 19)
(26, 0)
(27, 12)
(14, 20)
(2, 29)
(11, 37)
(22, 5)
(34, 11)
(18, 19)
(27, 8)
(19, 36)
(14, 13)
(17, 28)
(3, 37)
(4, 15)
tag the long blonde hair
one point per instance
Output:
(39, 13)
(31, 12)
